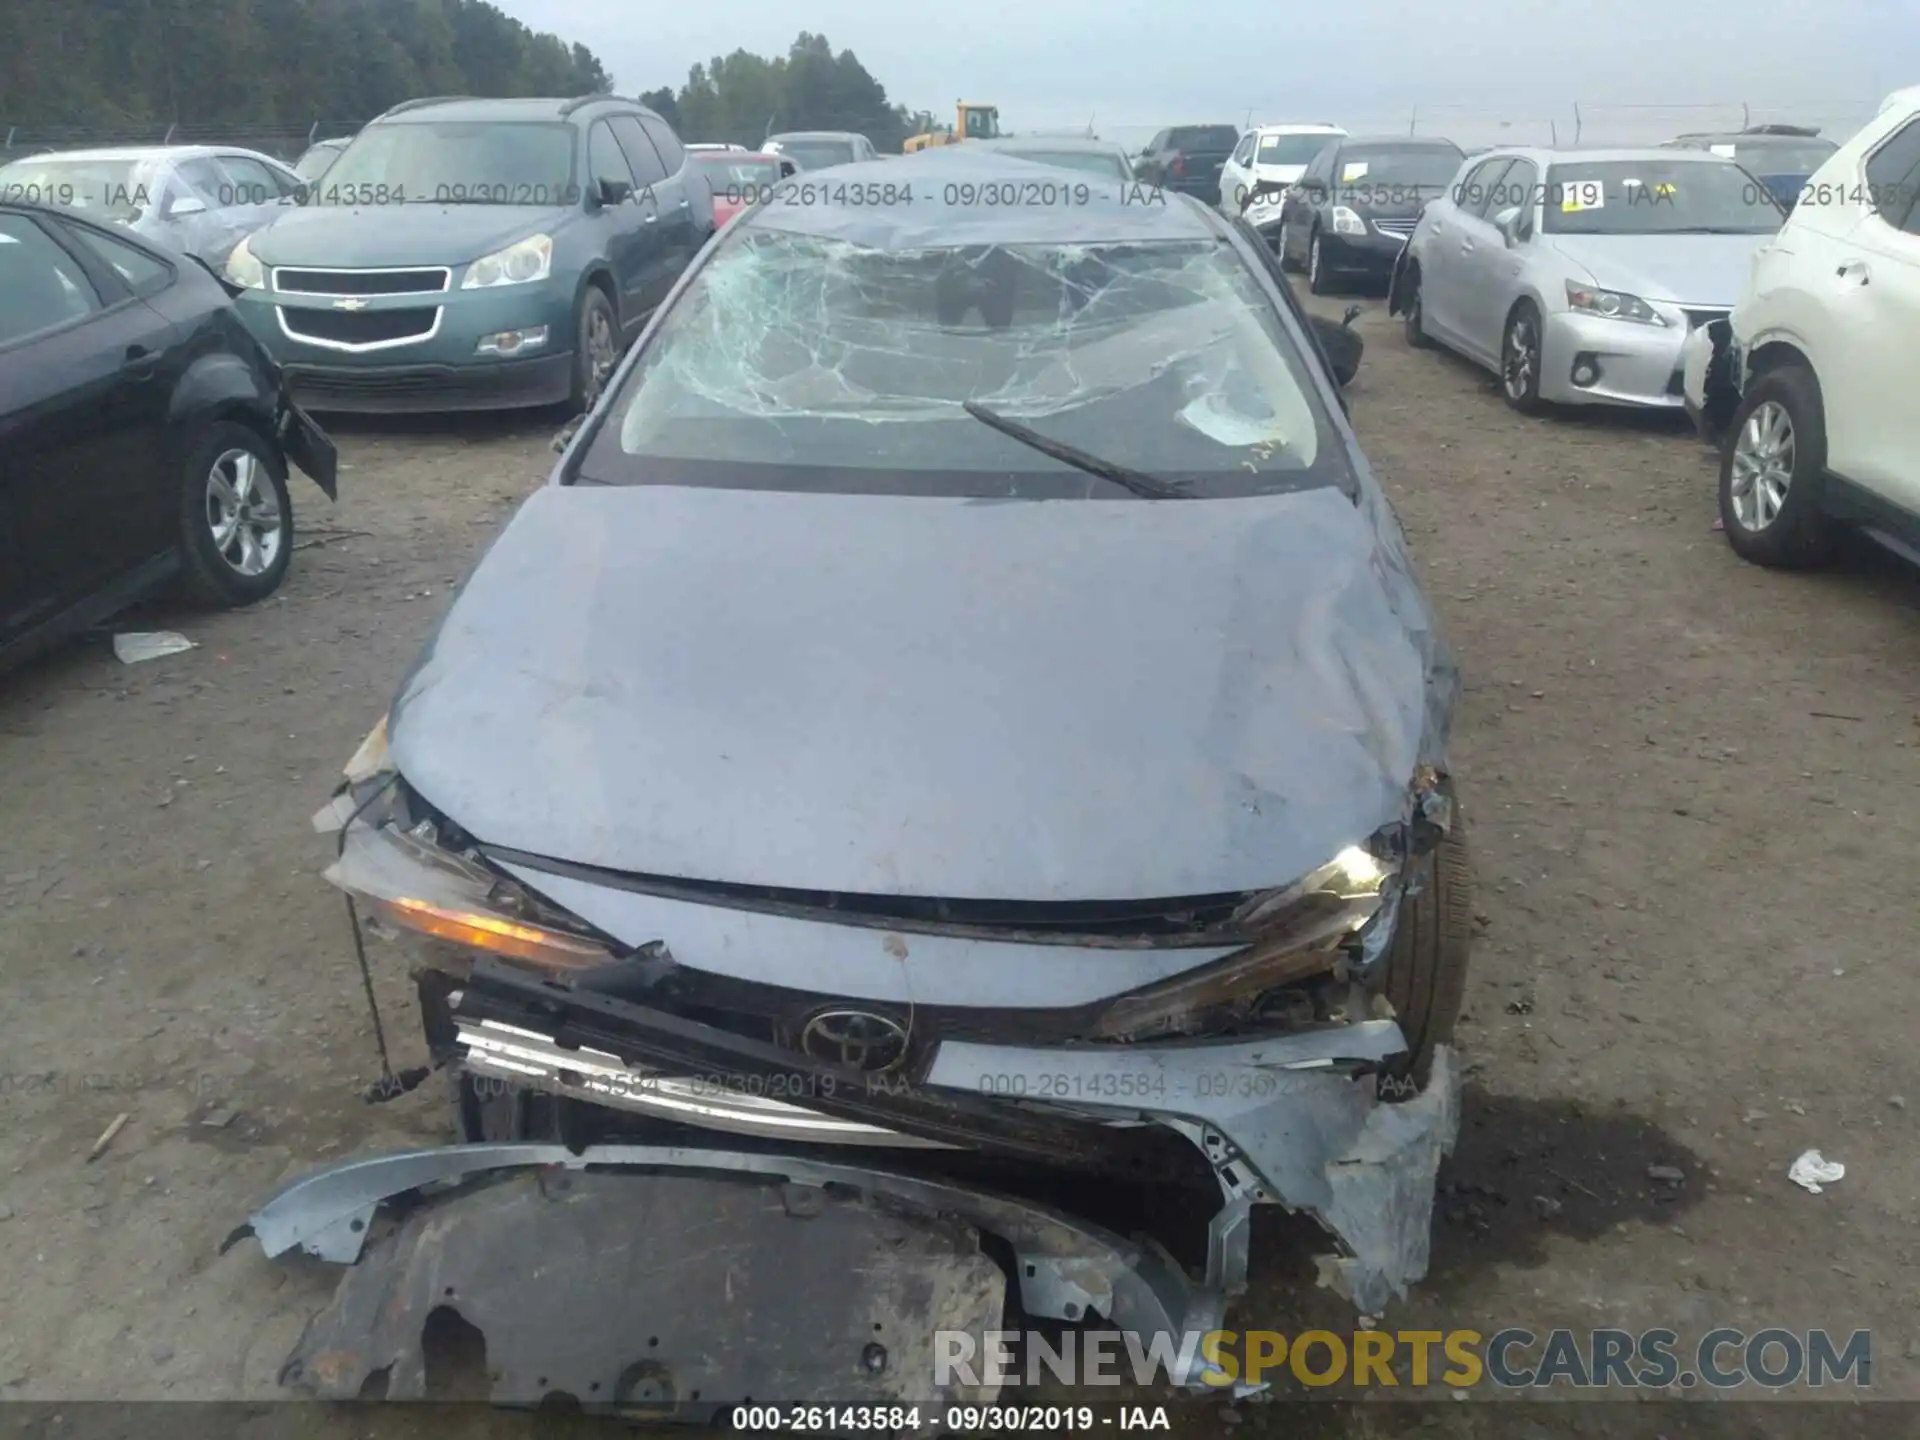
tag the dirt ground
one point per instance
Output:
(1684, 778)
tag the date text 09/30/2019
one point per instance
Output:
(959, 1419)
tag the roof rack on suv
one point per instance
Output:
(1807, 132)
(418, 101)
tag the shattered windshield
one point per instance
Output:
(454, 163)
(1658, 197)
(810, 362)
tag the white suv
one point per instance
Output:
(1815, 377)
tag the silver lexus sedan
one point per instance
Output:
(1576, 274)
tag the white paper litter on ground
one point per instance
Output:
(138, 645)
(1812, 1170)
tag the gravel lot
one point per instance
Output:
(1678, 771)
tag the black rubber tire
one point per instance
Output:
(593, 302)
(1320, 281)
(1801, 536)
(1528, 403)
(205, 576)
(1426, 975)
(1411, 321)
(1281, 248)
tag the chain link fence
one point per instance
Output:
(282, 141)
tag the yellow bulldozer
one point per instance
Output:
(971, 122)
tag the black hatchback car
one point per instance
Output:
(1351, 214)
(144, 434)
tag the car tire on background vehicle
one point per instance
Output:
(1414, 321)
(1319, 278)
(1427, 963)
(1771, 463)
(596, 332)
(236, 522)
(1520, 359)
(1283, 247)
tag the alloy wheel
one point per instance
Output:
(600, 352)
(1523, 355)
(1313, 261)
(243, 514)
(1762, 466)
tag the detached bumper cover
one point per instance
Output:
(591, 1282)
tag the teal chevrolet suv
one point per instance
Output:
(470, 254)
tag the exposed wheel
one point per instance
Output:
(1285, 246)
(1427, 964)
(1520, 359)
(1770, 467)
(1415, 320)
(236, 523)
(596, 347)
(1319, 277)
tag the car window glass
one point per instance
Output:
(1518, 189)
(1243, 152)
(208, 180)
(253, 183)
(1890, 172)
(665, 143)
(1470, 194)
(1158, 143)
(604, 160)
(41, 286)
(144, 274)
(640, 153)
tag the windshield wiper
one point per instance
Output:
(1147, 487)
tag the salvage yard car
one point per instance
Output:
(1348, 216)
(476, 255)
(959, 720)
(1265, 164)
(198, 199)
(1810, 383)
(144, 435)
(1576, 275)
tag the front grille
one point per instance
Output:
(429, 280)
(1698, 317)
(1400, 228)
(363, 327)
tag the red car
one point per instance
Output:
(740, 178)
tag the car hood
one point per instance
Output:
(411, 234)
(1680, 269)
(1388, 200)
(1059, 700)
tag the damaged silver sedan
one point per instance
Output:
(957, 737)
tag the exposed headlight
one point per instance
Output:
(1294, 933)
(1613, 304)
(1347, 222)
(245, 271)
(520, 263)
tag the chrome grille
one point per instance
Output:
(1399, 228)
(357, 330)
(420, 280)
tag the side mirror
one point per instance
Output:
(788, 169)
(613, 192)
(186, 205)
(1508, 222)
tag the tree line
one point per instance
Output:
(743, 98)
(252, 64)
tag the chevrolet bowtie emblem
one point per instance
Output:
(349, 304)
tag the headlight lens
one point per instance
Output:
(1347, 222)
(1295, 933)
(245, 271)
(521, 263)
(1612, 304)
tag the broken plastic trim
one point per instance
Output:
(1065, 1268)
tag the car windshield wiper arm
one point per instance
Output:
(1147, 487)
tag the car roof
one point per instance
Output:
(1426, 142)
(1601, 155)
(935, 221)
(816, 135)
(459, 108)
(1752, 137)
(68, 216)
(1291, 129)
(148, 152)
(734, 157)
(1016, 143)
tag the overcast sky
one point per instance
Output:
(1468, 64)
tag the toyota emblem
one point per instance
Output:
(857, 1039)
